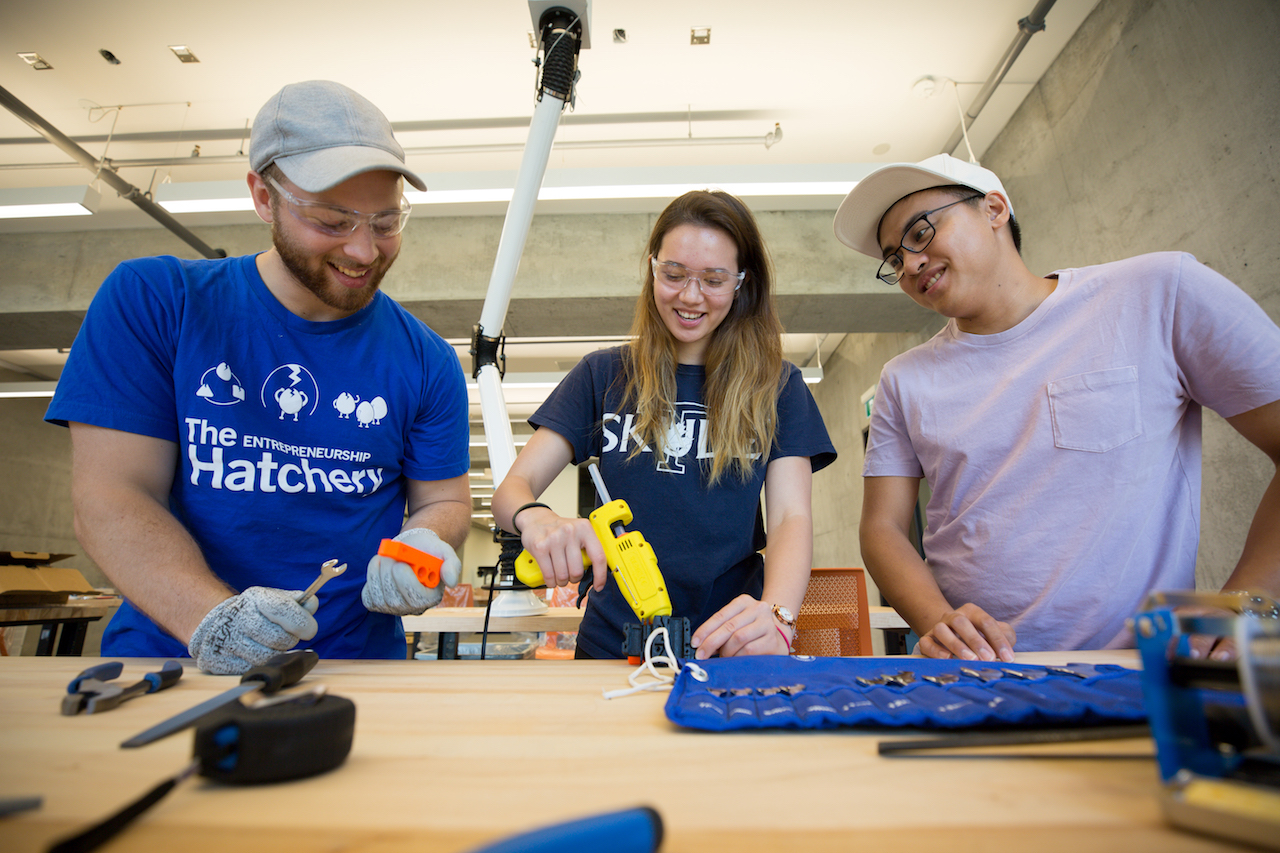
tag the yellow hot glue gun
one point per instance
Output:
(630, 558)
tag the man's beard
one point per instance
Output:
(311, 272)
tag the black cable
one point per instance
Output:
(488, 605)
(484, 631)
(559, 56)
(103, 831)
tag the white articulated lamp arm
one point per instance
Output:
(563, 29)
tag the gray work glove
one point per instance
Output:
(250, 628)
(392, 587)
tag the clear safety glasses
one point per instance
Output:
(676, 277)
(339, 221)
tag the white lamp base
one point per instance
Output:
(510, 602)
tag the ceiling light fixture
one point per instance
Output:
(833, 189)
(183, 53)
(535, 381)
(34, 202)
(481, 441)
(700, 35)
(768, 140)
(36, 61)
(27, 389)
(817, 187)
(204, 197)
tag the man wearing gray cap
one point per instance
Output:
(1056, 421)
(236, 423)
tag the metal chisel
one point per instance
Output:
(281, 671)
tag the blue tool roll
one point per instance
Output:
(775, 692)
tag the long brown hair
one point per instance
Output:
(744, 357)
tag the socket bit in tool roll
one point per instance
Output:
(283, 670)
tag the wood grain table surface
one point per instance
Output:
(449, 755)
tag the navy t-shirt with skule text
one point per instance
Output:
(706, 538)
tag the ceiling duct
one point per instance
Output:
(104, 171)
(1027, 27)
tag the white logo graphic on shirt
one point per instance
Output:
(367, 412)
(292, 389)
(291, 401)
(678, 442)
(345, 404)
(686, 438)
(220, 386)
(371, 412)
(220, 458)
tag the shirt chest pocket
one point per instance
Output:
(1096, 411)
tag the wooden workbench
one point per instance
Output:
(450, 621)
(468, 619)
(72, 617)
(451, 754)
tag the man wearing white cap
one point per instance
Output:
(1056, 420)
(236, 423)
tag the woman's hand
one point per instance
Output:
(744, 626)
(557, 543)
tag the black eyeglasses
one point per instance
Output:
(915, 238)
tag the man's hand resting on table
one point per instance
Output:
(250, 628)
(969, 633)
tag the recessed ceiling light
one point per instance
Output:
(619, 36)
(36, 61)
(183, 53)
(700, 35)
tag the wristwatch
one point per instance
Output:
(784, 616)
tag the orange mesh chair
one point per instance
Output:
(833, 620)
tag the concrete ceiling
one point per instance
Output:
(837, 75)
(840, 77)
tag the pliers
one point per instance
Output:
(89, 691)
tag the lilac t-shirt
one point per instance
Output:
(1064, 454)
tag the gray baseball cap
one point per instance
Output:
(321, 133)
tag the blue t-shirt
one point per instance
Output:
(295, 438)
(706, 538)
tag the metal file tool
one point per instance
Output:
(281, 671)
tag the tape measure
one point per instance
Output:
(290, 740)
(300, 736)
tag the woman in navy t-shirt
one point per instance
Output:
(678, 418)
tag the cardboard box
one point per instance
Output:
(28, 578)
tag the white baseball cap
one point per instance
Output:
(857, 221)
